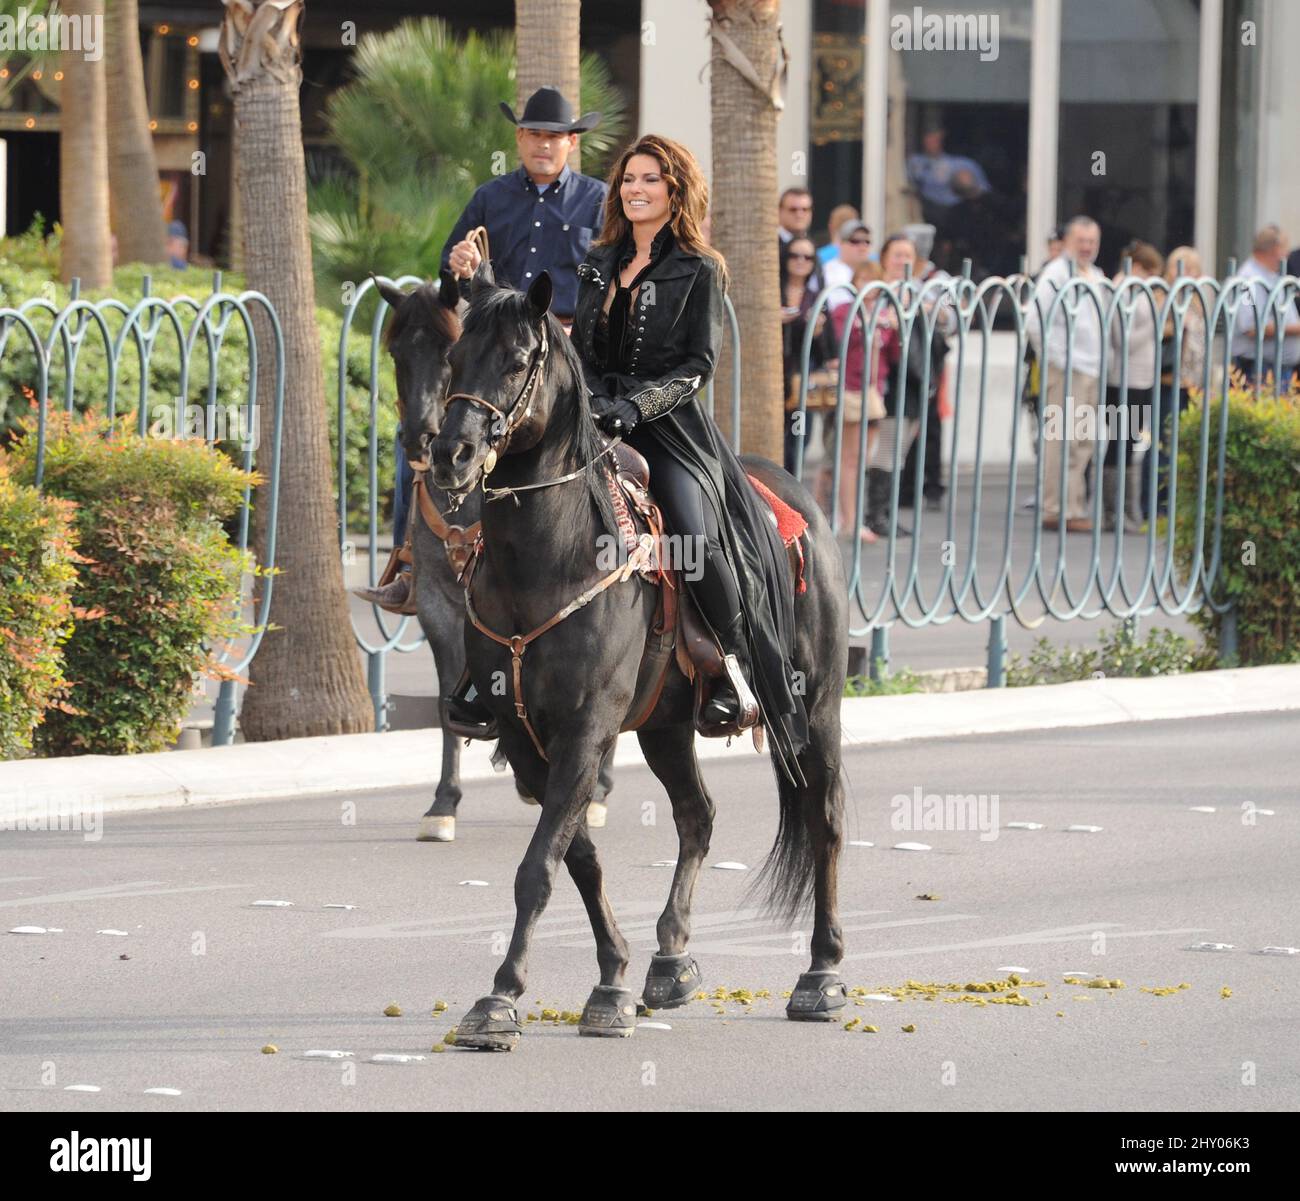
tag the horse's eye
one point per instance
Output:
(517, 366)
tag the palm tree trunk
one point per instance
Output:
(547, 51)
(83, 161)
(744, 221)
(306, 678)
(132, 167)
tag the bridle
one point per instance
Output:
(507, 421)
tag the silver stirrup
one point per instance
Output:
(748, 702)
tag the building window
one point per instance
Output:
(1127, 134)
(965, 132)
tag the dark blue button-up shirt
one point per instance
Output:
(530, 231)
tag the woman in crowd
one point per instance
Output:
(856, 383)
(797, 262)
(1127, 414)
(1190, 368)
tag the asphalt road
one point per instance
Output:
(202, 980)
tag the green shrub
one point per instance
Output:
(1260, 565)
(159, 582)
(36, 579)
(1118, 653)
(891, 684)
(24, 276)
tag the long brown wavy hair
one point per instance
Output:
(688, 198)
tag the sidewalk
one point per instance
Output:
(35, 789)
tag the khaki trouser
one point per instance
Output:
(1079, 434)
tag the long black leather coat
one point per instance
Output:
(678, 317)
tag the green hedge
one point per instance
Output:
(1260, 565)
(1118, 654)
(24, 275)
(159, 581)
(36, 579)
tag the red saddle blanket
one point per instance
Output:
(790, 523)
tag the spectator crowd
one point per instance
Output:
(895, 397)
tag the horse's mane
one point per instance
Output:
(502, 313)
(422, 307)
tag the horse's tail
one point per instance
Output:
(784, 885)
(810, 823)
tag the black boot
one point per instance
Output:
(879, 481)
(467, 716)
(716, 594)
(732, 701)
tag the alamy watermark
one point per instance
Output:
(229, 423)
(683, 553)
(951, 811)
(42, 33)
(69, 812)
(920, 30)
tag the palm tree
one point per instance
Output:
(83, 160)
(411, 170)
(546, 36)
(306, 679)
(132, 167)
(744, 67)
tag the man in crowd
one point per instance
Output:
(794, 220)
(1264, 269)
(540, 217)
(839, 215)
(1081, 246)
(854, 241)
(943, 180)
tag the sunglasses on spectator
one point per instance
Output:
(799, 254)
(860, 241)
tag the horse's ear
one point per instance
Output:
(539, 295)
(482, 281)
(389, 291)
(448, 289)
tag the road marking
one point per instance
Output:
(134, 888)
(745, 946)
(1032, 937)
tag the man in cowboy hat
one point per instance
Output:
(540, 217)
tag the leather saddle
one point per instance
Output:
(678, 635)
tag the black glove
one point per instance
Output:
(617, 417)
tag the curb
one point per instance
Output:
(31, 790)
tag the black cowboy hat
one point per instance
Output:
(548, 109)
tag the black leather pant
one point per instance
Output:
(688, 514)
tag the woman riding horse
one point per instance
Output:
(648, 329)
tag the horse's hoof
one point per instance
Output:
(671, 981)
(610, 1013)
(817, 997)
(492, 1025)
(596, 814)
(436, 829)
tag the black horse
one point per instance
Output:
(424, 326)
(517, 390)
